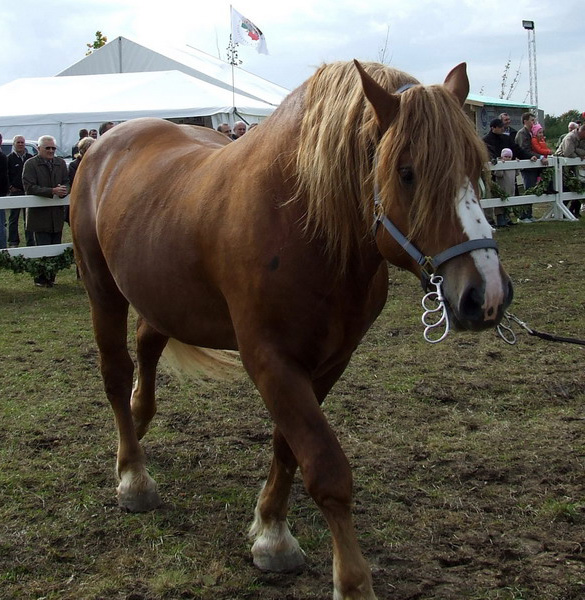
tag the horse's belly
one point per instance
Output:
(185, 307)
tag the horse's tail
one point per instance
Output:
(202, 362)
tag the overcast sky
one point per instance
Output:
(425, 38)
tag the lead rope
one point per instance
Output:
(506, 332)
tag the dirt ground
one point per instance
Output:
(468, 460)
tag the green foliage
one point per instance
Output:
(557, 126)
(571, 183)
(100, 40)
(497, 191)
(46, 266)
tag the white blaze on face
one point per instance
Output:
(475, 226)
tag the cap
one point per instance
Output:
(506, 152)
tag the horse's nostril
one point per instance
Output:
(510, 295)
(470, 307)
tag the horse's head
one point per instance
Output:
(429, 162)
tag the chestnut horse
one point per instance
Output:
(268, 246)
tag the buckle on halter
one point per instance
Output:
(427, 267)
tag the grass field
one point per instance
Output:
(468, 456)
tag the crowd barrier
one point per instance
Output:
(557, 210)
(8, 202)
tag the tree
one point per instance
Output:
(508, 93)
(384, 49)
(100, 40)
(556, 126)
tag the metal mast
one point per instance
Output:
(529, 26)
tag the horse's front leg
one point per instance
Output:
(292, 402)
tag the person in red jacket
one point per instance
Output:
(538, 141)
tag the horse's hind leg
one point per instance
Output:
(149, 346)
(137, 490)
(275, 549)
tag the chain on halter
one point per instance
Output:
(435, 313)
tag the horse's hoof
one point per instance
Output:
(139, 503)
(138, 494)
(288, 560)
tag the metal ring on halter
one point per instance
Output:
(430, 312)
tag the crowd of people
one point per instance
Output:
(45, 175)
(48, 175)
(505, 143)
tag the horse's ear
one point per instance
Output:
(457, 82)
(385, 105)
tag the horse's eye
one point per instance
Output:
(406, 175)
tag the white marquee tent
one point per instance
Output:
(124, 80)
(122, 55)
(71, 103)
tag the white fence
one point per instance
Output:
(8, 202)
(557, 210)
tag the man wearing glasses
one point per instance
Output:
(46, 175)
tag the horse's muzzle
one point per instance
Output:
(476, 309)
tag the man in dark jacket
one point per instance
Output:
(496, 141)
(16, 160)
(508, 129)
(46, 175)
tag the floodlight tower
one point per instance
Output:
(529, 26)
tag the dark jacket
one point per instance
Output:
(39, 181)
(496, 142)
(3, 175)
(72, 169)
(15, 166)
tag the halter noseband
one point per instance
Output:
(428, 264)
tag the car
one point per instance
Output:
(31, 147)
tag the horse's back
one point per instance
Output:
(129, 220)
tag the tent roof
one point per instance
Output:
(119, 96)
(122, 55)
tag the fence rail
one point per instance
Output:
(557, 211)
(8, 202)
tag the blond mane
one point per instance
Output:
(338, 141)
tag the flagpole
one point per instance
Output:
(232, 58)
(233, 88)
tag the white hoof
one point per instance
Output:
(275, 549)
(138, 493)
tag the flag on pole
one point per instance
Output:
(245, 32)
